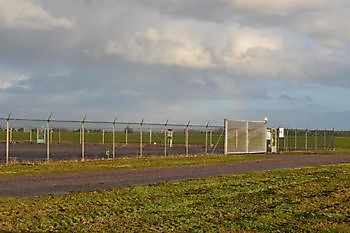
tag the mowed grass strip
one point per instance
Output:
(28, 169)
(297, 200)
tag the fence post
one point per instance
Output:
(316, 139)
(150, 135)
(113, 136)
(324, 140)
(186, 136)
(103, 136)
(30, 135)
(295, 140)
(126, 135)
(82, 136)
(141, 143)
(8, 138)
(247, 136)
(48, 138)
(206, 138)
(165, 138)
(306, 147)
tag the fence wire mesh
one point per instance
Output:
(51, 139)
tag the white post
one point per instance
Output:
(48, 140)
(30, 135)
(113, 136)
(247, 137)
(82, 136)
(211, 138)
(206, 139)
(150, 136)
(306, 139)
(165, 138)
(103, 136)
(37, 135)
(113, 143)
(165, 142)
(225, 145)
(7, 140)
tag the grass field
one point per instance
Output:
(20, 169)
(299, 200)
(195, 137)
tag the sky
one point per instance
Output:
(198, 60)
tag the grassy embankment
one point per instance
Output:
(298, 200)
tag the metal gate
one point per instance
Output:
(243, 136)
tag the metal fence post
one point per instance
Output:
(103, 136)
(82, 136)
(126, 135)
(324, 140)
(316, 139)
(30, 135)
(186, 137)
(8, 138)
(150, 135)
(141, 143)
(48, 137)
(247, 136)
(306, 147)
(113, 136)
(295, 140)
(165, 138)
(206, 138)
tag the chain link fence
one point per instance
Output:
(312, 139)
(51, 139)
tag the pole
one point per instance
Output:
(48, 141)
(150, 136)
(165, 137)
(7, 140)
(295, 140)
(206, 139)
(126, 135)
(306, 147)
(316, 139)
(37, 135)
(186, 136)
(48, 138)
(141, 142)
(82, 136)
(30, 135)
(324, 140)
(103, 136)
(113, 136)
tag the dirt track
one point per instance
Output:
(63, 183)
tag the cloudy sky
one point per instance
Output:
(179, 59)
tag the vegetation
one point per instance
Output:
(19, 169)
(299, 200)
(195, 137)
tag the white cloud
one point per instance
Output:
(162, 47)
(23, 14)
(273, 7)
(235, 50)
(10, 80)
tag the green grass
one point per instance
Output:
(299, 200)
(20, 169)
(195, 137)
